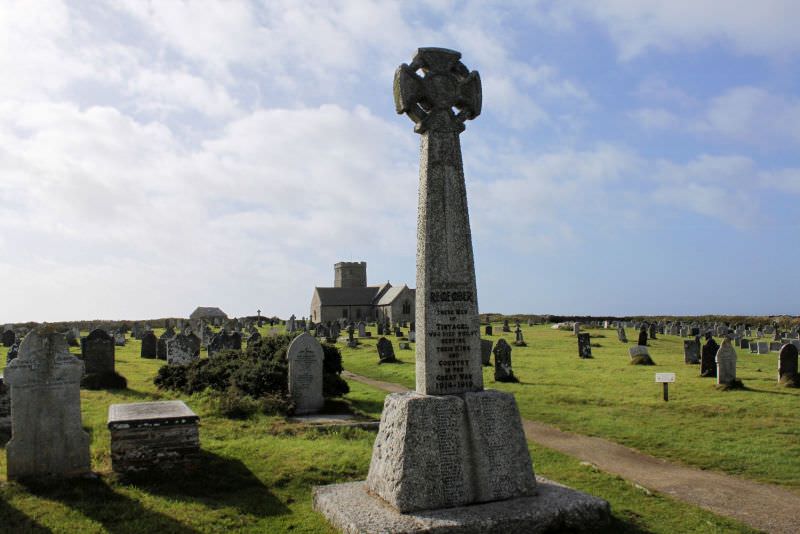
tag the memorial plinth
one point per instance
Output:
(450, 447)
(152, 435)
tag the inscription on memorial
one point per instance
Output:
(451, 471)
(454, 338)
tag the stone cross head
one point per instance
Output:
(443, 96)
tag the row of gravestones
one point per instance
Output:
(42, 387)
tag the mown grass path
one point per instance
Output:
(762, 506)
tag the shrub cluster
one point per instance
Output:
(252, 380)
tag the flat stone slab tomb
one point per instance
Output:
(350, 508)
(152, 435)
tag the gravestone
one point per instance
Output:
(726, 363)
(149, 345)
(183, 349)
(708, 364)
(691, 351)
(305, 357)
(584, 345)
(224, 341)
(787, 365)
(9, 338)
(412, 336)
(639, 355)
(621, 335)
(775, 346)
(503, 371)
(506, 328)
(762, 347)
(518, 339)
(47, 436)
(97, 352)
(119, 339)
(161, 351)
(486, 351)
(642, 336)
(385, 350)
(653, 330)
(253, 338)
(362, 329)
(576, 329)
(744, 343)
(291, 324)
(488, 330)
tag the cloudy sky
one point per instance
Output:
(633, 156)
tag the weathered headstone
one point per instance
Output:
(503, 371)
(385, 350)
(519, 341)
(653, 330)
(642, 336)
(488, 330)
(639, 355)
(691, 351)
(744, 343)
(621, 334)
(224, 341)
(47, 436)
(149, 345)
(726, 363)
(486, 351)
(97, 352)
(708, 364)
(9, 338)
(762, 347)
(119, 339)
(576, 328)
(305, 357)
(183, 349)
(787, 366)
(161, 350)
(584, 345)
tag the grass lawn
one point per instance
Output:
(754, 433)
(257, 474)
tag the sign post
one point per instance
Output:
(665, 378)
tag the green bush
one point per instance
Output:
(249, 381)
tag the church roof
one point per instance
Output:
(347, 296)
(390, 295)
(202, 312)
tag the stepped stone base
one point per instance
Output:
(352, 509)
(452, 450)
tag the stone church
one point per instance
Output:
(351, 299)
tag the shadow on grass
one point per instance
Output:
(12, 520)
(365, 406)
(217, 482)
(95, 499)
(620, 525)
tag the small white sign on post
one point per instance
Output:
(665, 378)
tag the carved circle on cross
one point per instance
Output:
(444, 96)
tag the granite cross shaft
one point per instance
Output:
(448, 358)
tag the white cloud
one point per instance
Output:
(765, 28)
